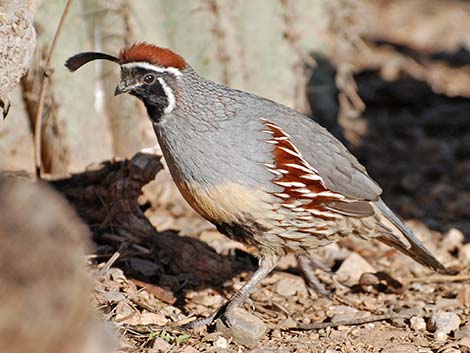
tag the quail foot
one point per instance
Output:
(262, 173)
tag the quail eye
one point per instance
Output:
(149, 78)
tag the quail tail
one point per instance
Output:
(410, 244)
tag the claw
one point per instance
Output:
(307, 264)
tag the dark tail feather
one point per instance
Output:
(416, 249)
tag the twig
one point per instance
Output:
(113, 258)
(407, 314)
(442, 278)
(42, 93)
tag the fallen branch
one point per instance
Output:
(442, 278)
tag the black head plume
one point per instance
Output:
(77, 61)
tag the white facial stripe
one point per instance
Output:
(170, 96)
(147, 66)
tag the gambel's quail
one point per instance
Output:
(262, 173)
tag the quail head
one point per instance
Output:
(262, 173)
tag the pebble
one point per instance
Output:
(289, 286)
(147, 318)
(464, 331)
(453, 240)
(160, 346)
(443, 323)
(463, 297)
(417, 323)
(340, 313)
(464, 254)
(189, 349)
(221, 342)
(399, 348)
(123, 311)
(352, 268)
(245, 328)
(464, 342)
(269, 350)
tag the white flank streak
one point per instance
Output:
(269, 165)
(289, 205)
(305, 218)
(298, 209)
(323, 213)
(282, 195)
(310, 195)
(331, 194)
(267, 131)
(297, 166)
(275, 172)
(272, 142)
(303, 190)
(290, 151)
(286, 184)
(311, 177)
(147, 66)
(169, 94)
(283, 171)
(282, 138)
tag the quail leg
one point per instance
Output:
(266, 265)
(307, 265)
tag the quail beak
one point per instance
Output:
(121, 88)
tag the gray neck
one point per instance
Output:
(201, 138)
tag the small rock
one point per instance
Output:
(160, 346)
(221, 342)
(288, 261)
(443, 323)
(189, 349)
(352, 268)
(116, 274)
(444, 303)
(464, 342)
(424, 288)
(462, 332)
(399, 348)
(287, 323)
(147, 318)
(340, 313)
(440, 336)
(333, 252)
(463, 297)
(453, 240)
(245, 328)
(123, 311)
(417, 323)
(464, 254)
(268, 350)
(289, 286)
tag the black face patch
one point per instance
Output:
(148, 88)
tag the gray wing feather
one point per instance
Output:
(339, 169)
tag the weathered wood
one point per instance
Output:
(106, 198)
